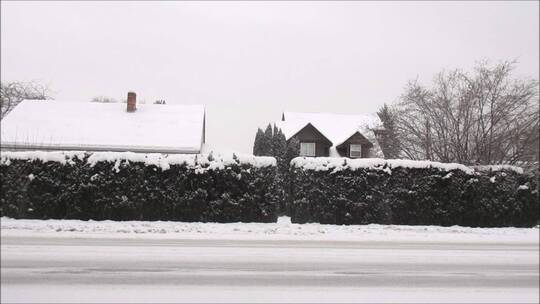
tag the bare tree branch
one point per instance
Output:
(483, 118)
(12, 93)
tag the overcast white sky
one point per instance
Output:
(249, 61)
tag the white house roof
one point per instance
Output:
(336, 127)
(60, 125)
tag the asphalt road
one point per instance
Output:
(54, 269)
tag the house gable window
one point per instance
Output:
(355, 151)
(307, 149)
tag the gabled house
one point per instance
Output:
(335, 135)
(93, 126)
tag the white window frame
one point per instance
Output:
(308, 149)
(357, 149)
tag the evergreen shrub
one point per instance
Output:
(129, 186)
(344, 192)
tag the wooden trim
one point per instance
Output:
(346, 142)
(329, 142)
(349, 150)
(314, 148)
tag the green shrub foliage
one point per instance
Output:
(137, 191)
(244, 192)
(415, 196)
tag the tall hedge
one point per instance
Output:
(128, 186)
(390, 192)
(123, 187)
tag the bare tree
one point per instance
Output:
(12, 93)
(481, 118)
(103, 99)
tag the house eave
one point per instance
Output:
(344, 143)
(307, 125)
(9, 146)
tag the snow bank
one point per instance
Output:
(163, 161)
(338, 164)
(283, 229)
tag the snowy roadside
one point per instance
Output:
(282, 230)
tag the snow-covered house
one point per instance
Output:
(336, 135)
(93, 126)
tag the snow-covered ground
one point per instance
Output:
(105, 261)
(79, 269)
(281, 294)
(282, 230)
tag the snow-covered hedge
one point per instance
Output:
(133, 186)
(362, 191)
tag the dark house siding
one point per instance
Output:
(310, 134)
(356, 139)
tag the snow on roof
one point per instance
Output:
(336, 127)
(60, 125)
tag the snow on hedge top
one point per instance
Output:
(337, 164)
(164, 161)
(62, 157)
(93, 126)
(336, 127)
(341, 163)
(499, 168)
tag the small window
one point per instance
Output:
(355, 151)
(307, 149)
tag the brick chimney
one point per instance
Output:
(132, 102)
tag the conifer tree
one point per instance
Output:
(388, 139)
(279, 149)
(293, 149)
(279, 145)
(258, 142)
(272, 142)
(266, 143)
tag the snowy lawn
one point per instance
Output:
(282, 230)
